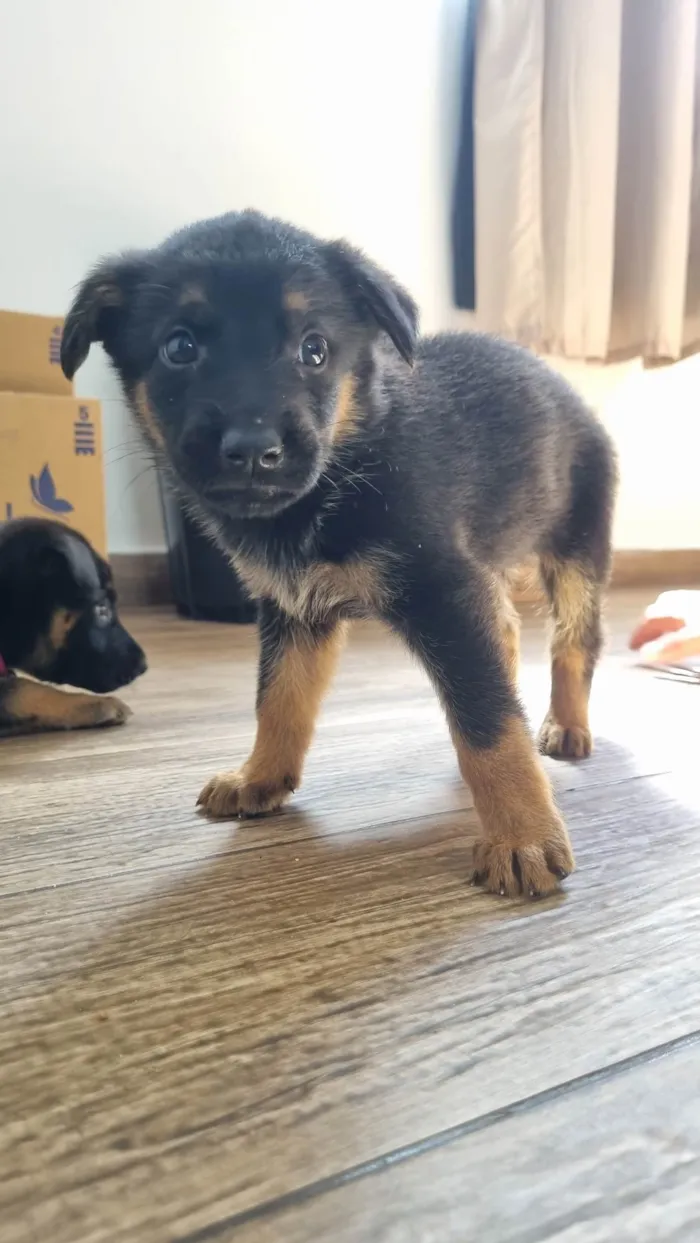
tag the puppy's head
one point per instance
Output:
(58, 616)
(242, 345)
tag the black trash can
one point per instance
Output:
(205, 584)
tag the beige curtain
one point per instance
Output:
(587, 175)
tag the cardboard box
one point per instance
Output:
(30, 354)
(51, 462)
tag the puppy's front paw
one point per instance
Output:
(570, 742)
(236, 794)
(514, 867)
(111, 711)
(91, 711)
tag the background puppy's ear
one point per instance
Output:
(98, 308)
(377, 294)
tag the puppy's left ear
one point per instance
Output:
(376, 295)
(99, 307)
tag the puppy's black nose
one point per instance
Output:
(250, 451)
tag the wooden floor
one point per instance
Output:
(310, 1027)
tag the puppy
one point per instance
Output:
(59, 624)
(349, 468)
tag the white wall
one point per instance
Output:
(121, 121)
(654, 418)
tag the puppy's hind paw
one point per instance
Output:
(564, 742)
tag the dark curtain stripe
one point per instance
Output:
(463, 231)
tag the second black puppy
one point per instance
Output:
(349, 468)
(59, 623)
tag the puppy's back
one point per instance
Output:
(496, 437)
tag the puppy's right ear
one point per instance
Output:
(98, 309)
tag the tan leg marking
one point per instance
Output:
(510, 629)
(34, 705)
(566, 731)
(286, 720)
(525, 847)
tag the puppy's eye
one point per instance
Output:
(313, 351)
(180, 349)
(103, 614)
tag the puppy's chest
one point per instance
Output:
(356, 587)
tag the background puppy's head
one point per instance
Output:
(243, 345)
(58, 609)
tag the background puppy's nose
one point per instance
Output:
(256, 449)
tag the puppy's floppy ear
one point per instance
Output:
(376, 294)
(98, 308)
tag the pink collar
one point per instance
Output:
(3, 667)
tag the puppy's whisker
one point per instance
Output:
(110, 460)
(146, 471)
(357, 477)
(366, 479)
(125, 444)
(333, 483)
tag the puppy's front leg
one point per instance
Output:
(455, 628)
(296, 665)
(29, 706)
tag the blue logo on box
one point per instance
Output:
(44, 493)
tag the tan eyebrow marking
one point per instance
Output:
(295, 300)
(192, 294)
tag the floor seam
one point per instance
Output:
(439, 1139)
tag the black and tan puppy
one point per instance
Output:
(59, 624)
(349, 468)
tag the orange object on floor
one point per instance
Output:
(670, 629)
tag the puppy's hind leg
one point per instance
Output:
(510, 629)
(574, 570)
(575, 601)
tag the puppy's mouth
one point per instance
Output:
(252, 502)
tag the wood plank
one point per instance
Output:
(178, 1049)
(196, 1019)
(617, 1157)
(382, 754)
